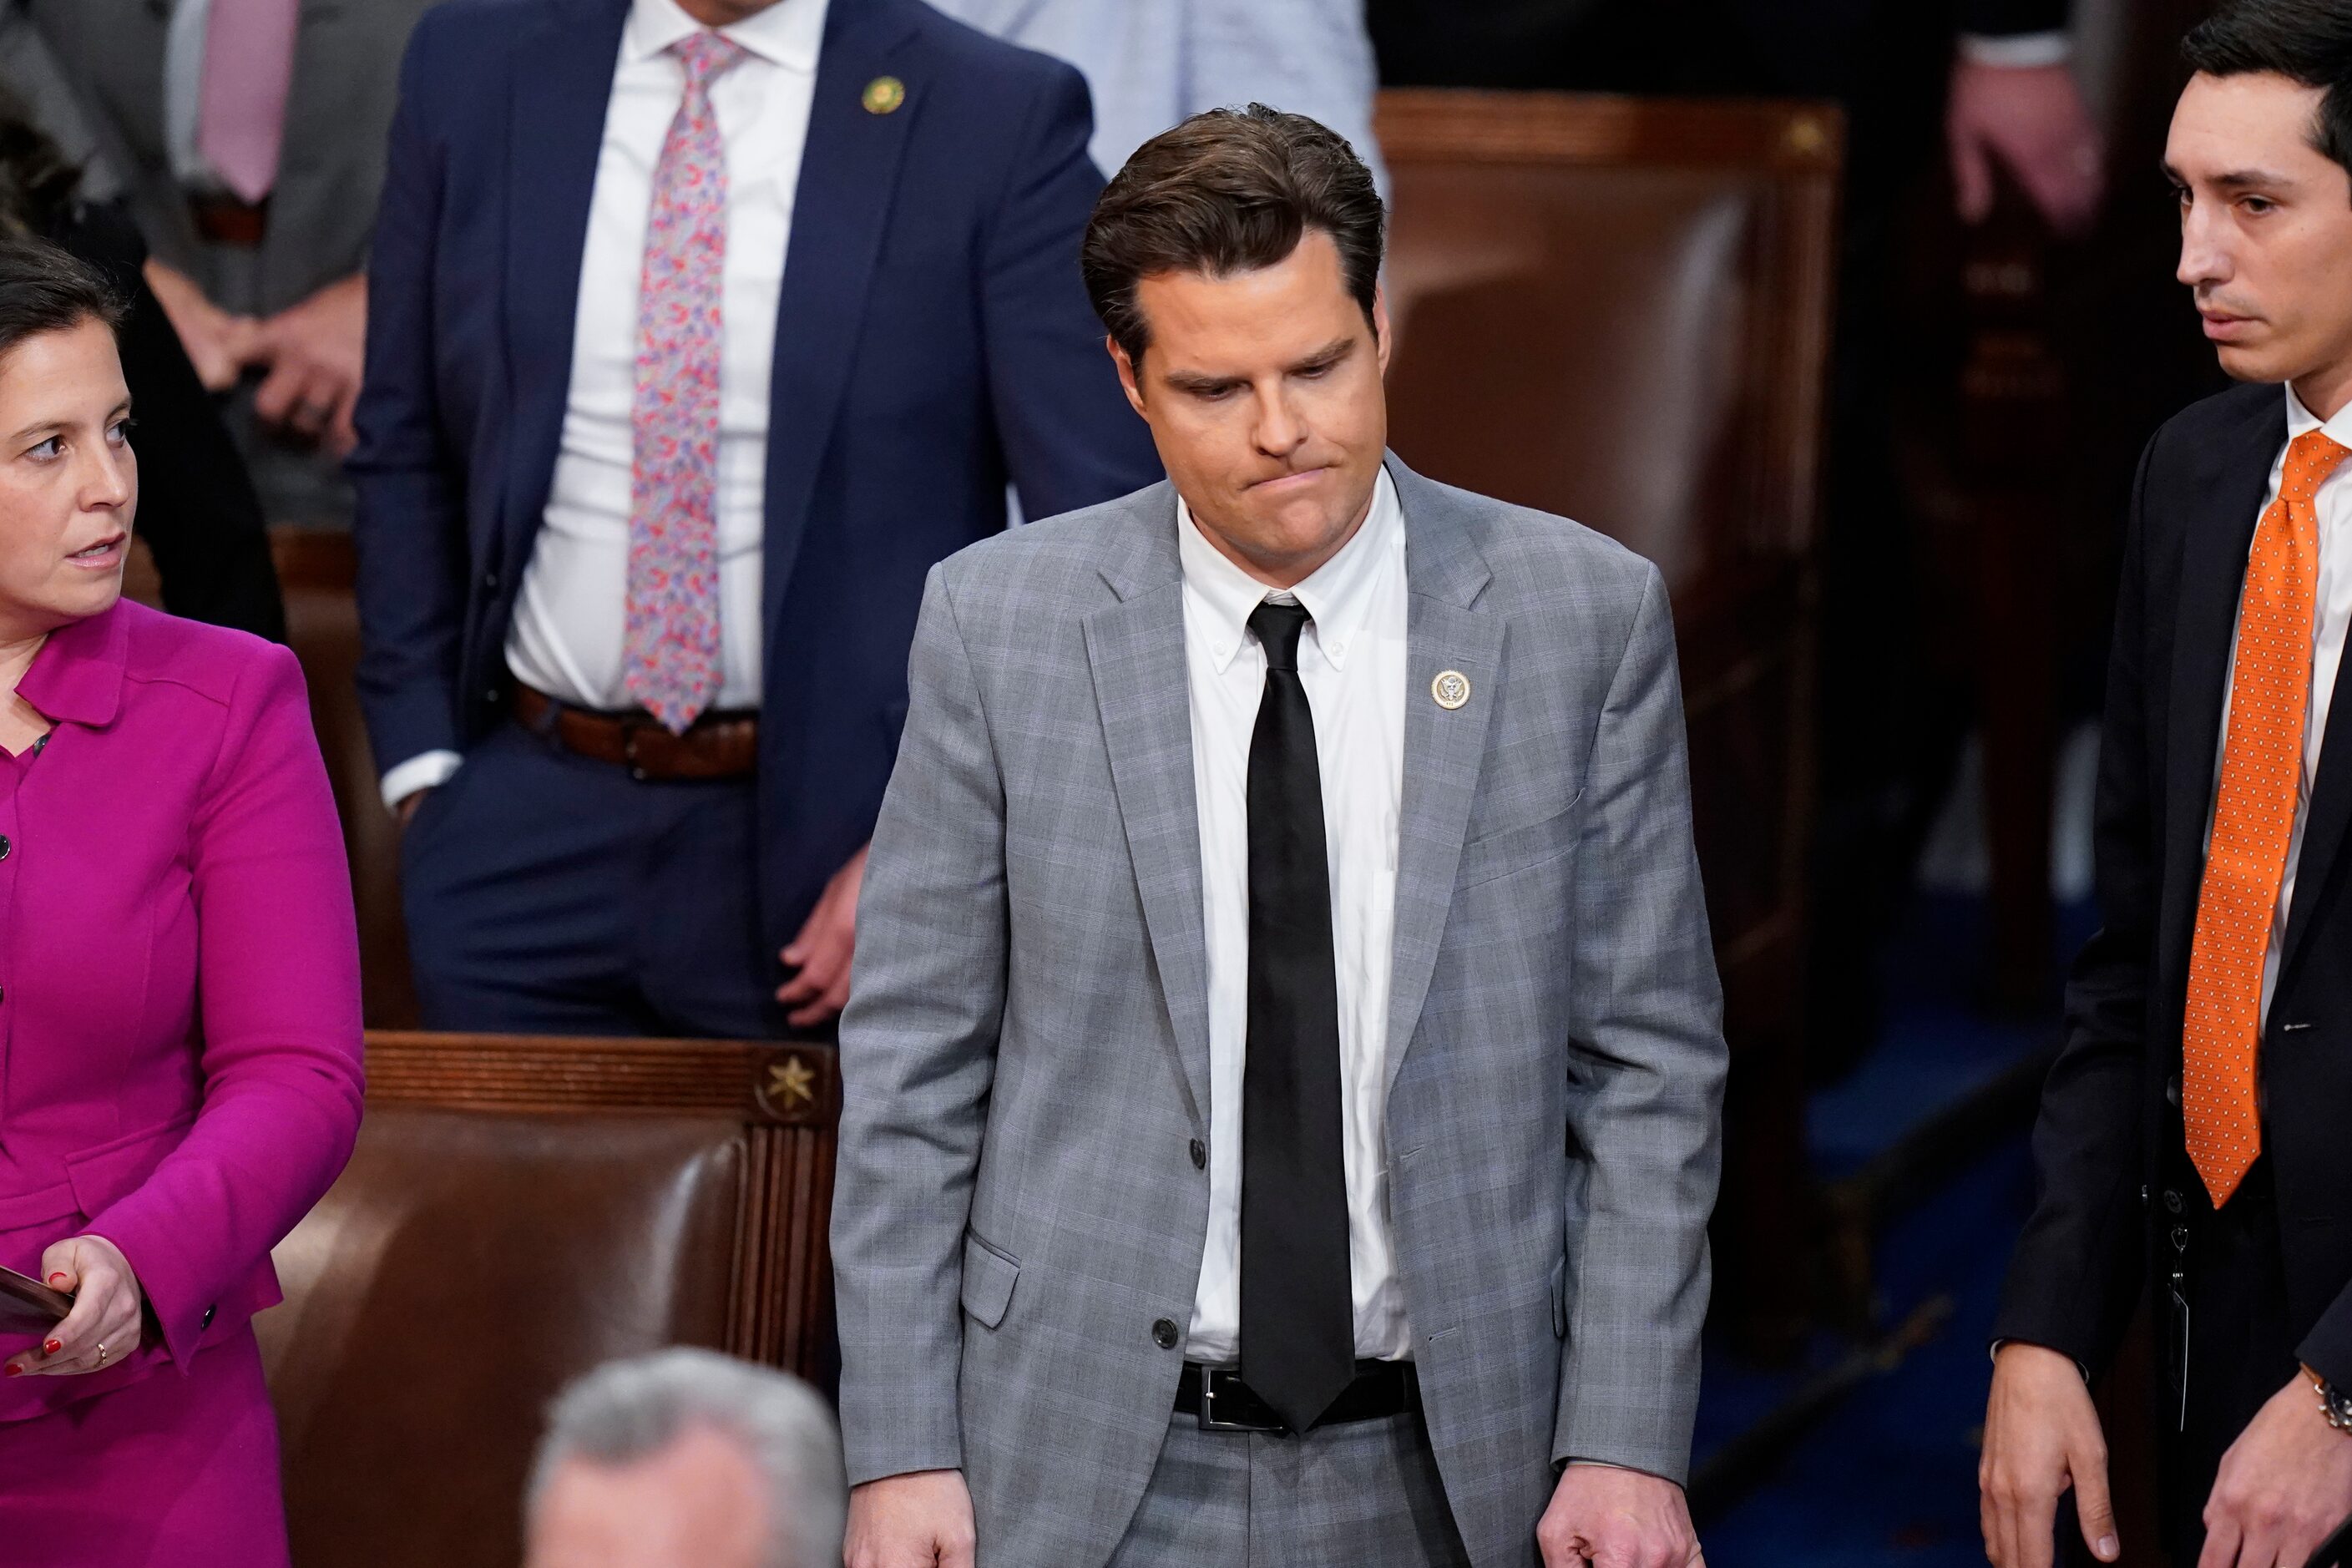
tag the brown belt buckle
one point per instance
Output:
(226, 220)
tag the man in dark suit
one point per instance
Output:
(2191, 1139)
(698, 331)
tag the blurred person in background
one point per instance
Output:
(1973, 90)
(670, 404)
(201, 518)
(246, 138)
(687, 1458)
(2190, 1145)
(183, 1001)
(1152, 63)
(2009, 100)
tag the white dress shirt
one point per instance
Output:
(183, 89)
(2331, 614)
(570, 621)
(2017, 51)
(1351, 660)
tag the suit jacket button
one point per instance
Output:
(2171, 1201)
(2172, 1090)
(1163, 1333)
(4, 846)
(208, 1316)
(1200, 1155)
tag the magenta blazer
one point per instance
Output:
(179, 976)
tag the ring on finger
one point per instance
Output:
(101, 1354)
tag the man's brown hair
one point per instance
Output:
(1229, 190)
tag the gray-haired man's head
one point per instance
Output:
(688, 1458)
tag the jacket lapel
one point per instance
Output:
(2212, 571)
(1136, 651)
(1444, 749)
(849, 174)
(563, 81)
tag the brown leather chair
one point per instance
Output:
(520, 1210)
(1618, 310)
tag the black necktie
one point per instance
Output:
(1297, 1309)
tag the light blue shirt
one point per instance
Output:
(1150, 63)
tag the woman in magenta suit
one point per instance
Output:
(179, 990)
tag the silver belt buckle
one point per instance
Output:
(1209, 1420)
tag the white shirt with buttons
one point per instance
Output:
(1351, 660)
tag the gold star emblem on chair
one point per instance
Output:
(791, 1085)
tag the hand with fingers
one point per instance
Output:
(218, 344)
(2284, 1486)
(2041, 1436)
(103, 1328)
(2032, 121)
(1613, 1518)
(315, 351)
(922, 1520)
(821, 953)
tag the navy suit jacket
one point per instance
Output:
(933, 343)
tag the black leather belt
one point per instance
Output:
(1223, 1403)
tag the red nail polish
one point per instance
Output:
(59, 1279)
(53, 1346)
(15, 1371)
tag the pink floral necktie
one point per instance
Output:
(241, 106)
(671, 659)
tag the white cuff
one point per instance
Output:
(2017, 51)
(427, 770)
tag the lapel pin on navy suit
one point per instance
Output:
(883, 95)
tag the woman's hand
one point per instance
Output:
(106, 1311)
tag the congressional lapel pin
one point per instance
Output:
(1450, 689)
(883, 95)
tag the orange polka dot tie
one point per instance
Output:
(2253, 819)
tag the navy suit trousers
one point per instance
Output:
(547, 893)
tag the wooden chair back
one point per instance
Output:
(519, 1211)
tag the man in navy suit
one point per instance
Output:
(697, 331)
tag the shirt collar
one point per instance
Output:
(2301, 421)
(1339, 596)
(787, 34)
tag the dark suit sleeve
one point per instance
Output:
(410, 526)
(2007, 18)
(197, 509)
(2076, 1274)
(1069, 438)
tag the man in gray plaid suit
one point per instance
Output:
(1283, 1063)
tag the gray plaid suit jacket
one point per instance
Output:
(1026, 1056)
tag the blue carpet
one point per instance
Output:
(1889, 1475)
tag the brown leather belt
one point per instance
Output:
(1222, 1403)
(224, 220)
(715, 746)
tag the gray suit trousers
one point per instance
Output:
(1366, 1494)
